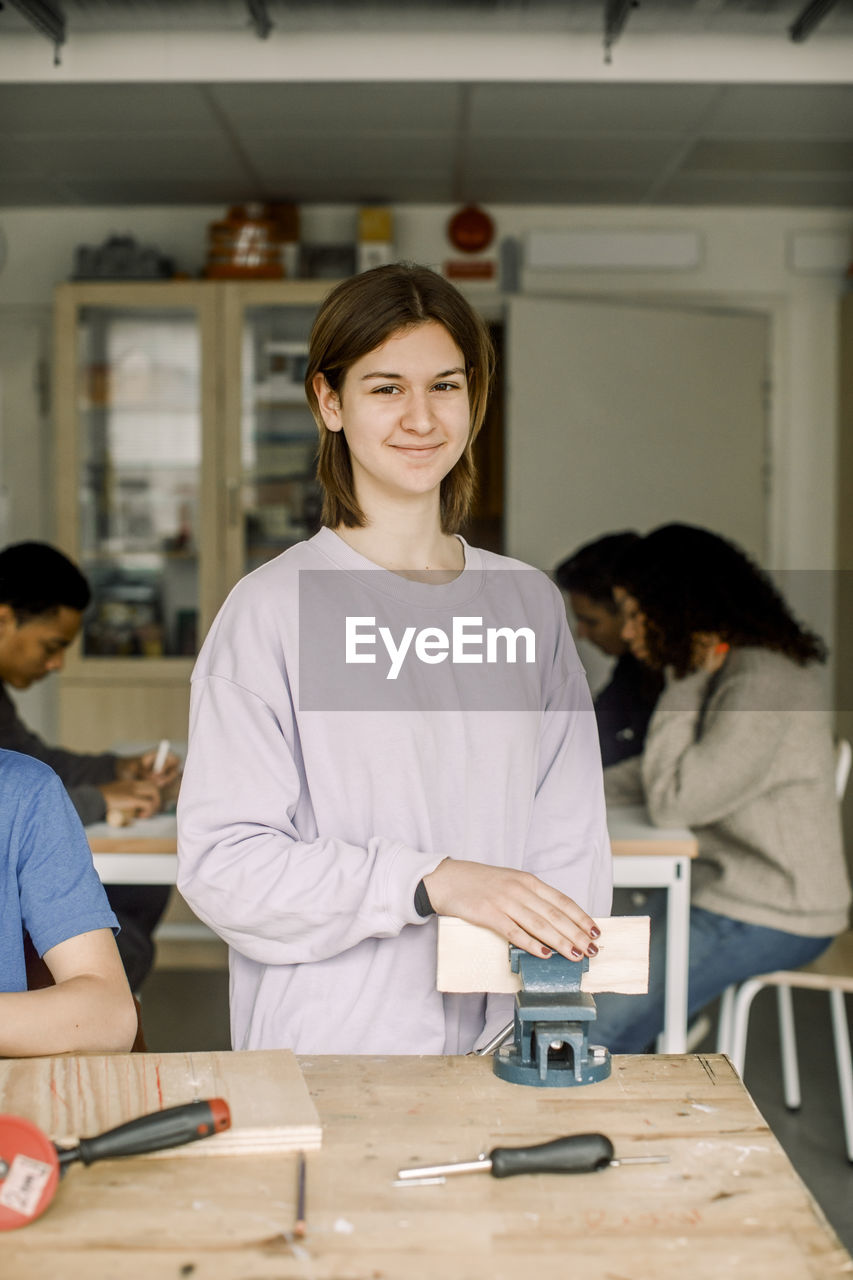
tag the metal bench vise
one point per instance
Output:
(550, 1046)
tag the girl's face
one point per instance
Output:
(404, 411)
(633, 624)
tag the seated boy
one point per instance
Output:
(42, 599)
(49, 887)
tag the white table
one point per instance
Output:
(645, 857)
(145, 852)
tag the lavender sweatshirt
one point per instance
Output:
(317, 793)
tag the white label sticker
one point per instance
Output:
(24, 1184)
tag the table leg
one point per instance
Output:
(673, 1038)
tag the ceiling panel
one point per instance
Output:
(611, 142)
(529, 156)
(27, 190)
(352, 167)
(29, 109)
(554, 189)
(590, 109)
(783, 111)
(169, 191)
(811, 192)
(414, 188)
(797, 155)
(321, 108)
(155, 157)
(350, 151)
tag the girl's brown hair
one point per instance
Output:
(358, 316)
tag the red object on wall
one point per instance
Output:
(471, 269)
(471, 229)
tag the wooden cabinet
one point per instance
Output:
(184, 457)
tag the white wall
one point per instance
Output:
(746, 263)
(746, 257)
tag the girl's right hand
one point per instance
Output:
(514, 904)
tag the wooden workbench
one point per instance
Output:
(727, 1204)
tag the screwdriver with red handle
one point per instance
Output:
(171, 1127)
(31, 1165)
(580, 1153)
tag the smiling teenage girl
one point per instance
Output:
(330, 807)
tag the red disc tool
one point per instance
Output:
(31, 1165)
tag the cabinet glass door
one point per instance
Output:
(278, 440)
(140, 447)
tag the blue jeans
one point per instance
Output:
(722, 951)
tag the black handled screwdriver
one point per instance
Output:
(169, 1128)
(580, 1153)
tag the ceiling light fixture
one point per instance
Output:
(615, 16)
(802, 27)
(47, 18)
(260, 17)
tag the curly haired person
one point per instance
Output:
(740, 750)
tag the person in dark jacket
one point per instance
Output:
(42, 599)
(624, 706)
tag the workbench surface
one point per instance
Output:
(727, 1204)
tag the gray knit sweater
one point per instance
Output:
(745, 758)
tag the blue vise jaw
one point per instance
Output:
(550, 1046)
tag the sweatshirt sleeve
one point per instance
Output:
(568, 846)
(692, 782)
(243, 865)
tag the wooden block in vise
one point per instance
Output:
(474, 959)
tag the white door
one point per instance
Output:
(623, 416)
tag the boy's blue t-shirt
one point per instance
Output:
(48, 882)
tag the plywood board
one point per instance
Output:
(72, 1097)
(475, 959)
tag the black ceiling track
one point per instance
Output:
(47, 18)
(802, 27)
(615, 16)
(261, 20)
